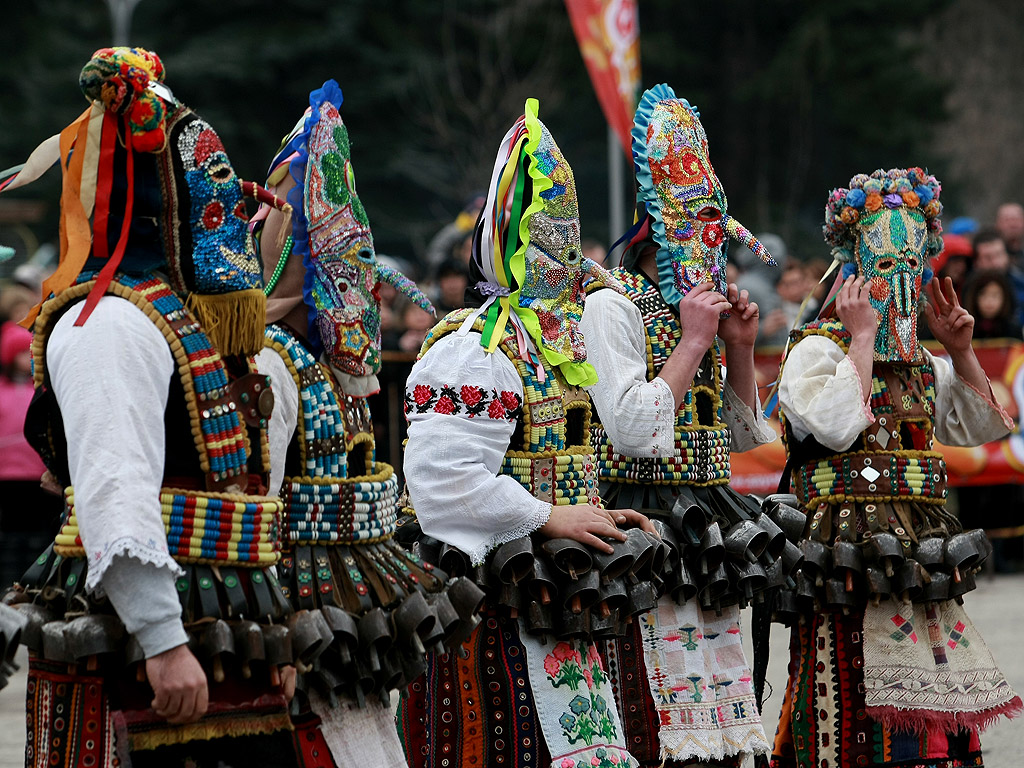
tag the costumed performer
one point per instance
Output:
(886, 668)
(154, 620)
(669, 419)
(499, 468)
(341, 566)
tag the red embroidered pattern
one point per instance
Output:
(468, 399)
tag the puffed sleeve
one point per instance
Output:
(111, 377)
(820, 394)
(963, 415)
(638, 415)
(463, 405)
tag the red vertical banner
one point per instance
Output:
(608, 33)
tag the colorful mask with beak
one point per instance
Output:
(331, 231)
(886, 227)
(682, 196)
(527, 245)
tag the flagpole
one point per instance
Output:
(616, 205)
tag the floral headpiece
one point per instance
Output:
(912, 188)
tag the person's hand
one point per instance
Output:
(179, 685)
(48, 482)
(633, 519)
(585, 523)
(288, 678)
(739, 329)
(699, 311)
(855, 310)
(950, 324)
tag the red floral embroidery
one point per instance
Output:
(471, 395)
(511, 401)
(422, 394)
(472, 399)
(496, 410)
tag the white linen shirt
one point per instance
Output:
(639, 415)
(821, 395)
(111, 378)
(452, 460)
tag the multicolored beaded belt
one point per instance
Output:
(880, 476)
(557, 478)
(341, 511)
(701, 457)
(202, 527)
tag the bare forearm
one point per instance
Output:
(681, 366)
(740, 362)
(861, 354)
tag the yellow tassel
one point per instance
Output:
(234, 322)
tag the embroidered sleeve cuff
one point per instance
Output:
(536, 518)
(663, 433)
(990, 401)
(749, 428)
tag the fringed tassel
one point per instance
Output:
(234, 322)
(918, 721)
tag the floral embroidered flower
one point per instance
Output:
(552, 666)
(496, 410)
(511, 401)
(422, 393)
(471, 395)
(444, 405)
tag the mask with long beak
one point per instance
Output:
(678, 189)
(331, 230)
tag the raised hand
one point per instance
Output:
(950, 324)
(699, 311)
(739, 329)
(855, 310)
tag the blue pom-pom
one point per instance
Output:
(924, 194)
(855, 198)
(926, 277)
(849, 270)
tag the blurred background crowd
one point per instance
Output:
(796, 96)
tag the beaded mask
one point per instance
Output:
(886, 227)
(682, 196)
(527, 245)
(148, 187)
(331, 230)
(207, 245)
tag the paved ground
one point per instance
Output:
(996, 607)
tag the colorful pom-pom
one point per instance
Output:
(856, 198)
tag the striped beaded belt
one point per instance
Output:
(557, 478)
(341, 510)
(202, 527)
(701, 457)
(882, 476)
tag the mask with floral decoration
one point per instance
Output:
(885, 227)
(685, 201)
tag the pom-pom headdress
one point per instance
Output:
(148, 186)
(680, 200)
(527, 247)
(886, 227)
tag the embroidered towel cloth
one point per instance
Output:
(575, 705)
(927, 666)
(701, 683)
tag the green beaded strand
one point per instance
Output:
(279, 269)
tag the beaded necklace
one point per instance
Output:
(279, 269)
